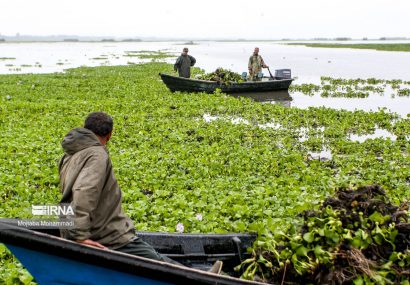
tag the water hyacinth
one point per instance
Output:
(243, 177)
(199, 217)
(180, 228)
(222, 75)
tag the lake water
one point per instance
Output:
(307, 64)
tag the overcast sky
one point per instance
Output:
(250, 19)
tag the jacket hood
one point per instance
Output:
(79, 139)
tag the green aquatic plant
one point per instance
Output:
(308, 89)
(222, 76)
(356, 236)
(403, 92)
(146, 54)
(351, 88)
(249, 168)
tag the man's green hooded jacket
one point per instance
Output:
(88, 183)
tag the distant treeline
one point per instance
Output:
(59, 39)
(403, 47)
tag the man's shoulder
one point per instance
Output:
(93, 151)
(98, 150)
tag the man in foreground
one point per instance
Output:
(255, 65)
(183, 64)
(89, 185)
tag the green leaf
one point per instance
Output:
(2, 248)
(302, 251)
(358, 280)
(378, 217)
(26, 278)
(309, 237)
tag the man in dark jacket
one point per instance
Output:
(184, 63)
(89, 185)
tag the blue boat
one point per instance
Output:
(52, 260)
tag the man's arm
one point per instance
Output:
(263, 63)
(177, 63)
(193, 60)
(91, 243)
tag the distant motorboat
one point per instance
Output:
(175, 83)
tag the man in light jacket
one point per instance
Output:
(255, 65)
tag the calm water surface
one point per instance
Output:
(307, 64)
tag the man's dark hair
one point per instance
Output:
(99, 123)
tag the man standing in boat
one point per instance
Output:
(255, 65)
(184, 63)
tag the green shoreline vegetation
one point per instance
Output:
(148, 54)
(172, 164)
(380, 47)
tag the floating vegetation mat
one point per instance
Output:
(357, 236)
(241, 165)
(99, 58)
(149, 54)
(354, 88)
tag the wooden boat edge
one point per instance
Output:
(214, 82)
(11, 235)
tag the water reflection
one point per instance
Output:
(277, 97)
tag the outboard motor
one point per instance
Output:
(283, 74)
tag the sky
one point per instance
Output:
(210, 19)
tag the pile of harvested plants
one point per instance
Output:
(357, 237)
(222, 76)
